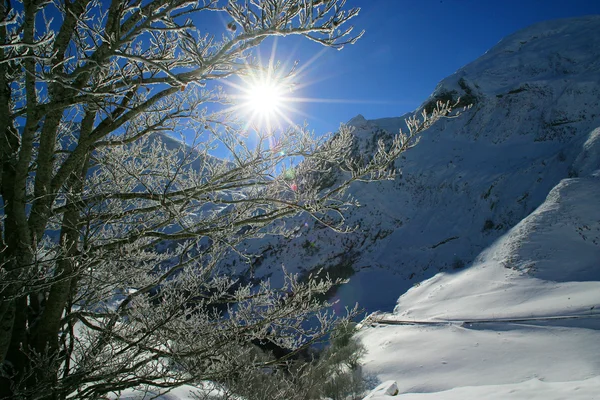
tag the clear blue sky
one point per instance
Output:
(408, 47)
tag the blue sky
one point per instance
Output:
(408, 47)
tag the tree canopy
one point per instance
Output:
(113, 234)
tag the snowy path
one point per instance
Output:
(387, 321)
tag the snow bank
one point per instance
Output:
(533, 389)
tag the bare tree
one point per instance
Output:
(112, 234)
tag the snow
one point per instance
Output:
(533, 389)
(525, 316)
(438, 358)
(513, 352)
(181, 393)
(522, 320)
(388, 388)
(205, 391)
(546, 265)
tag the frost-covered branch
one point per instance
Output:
(115, 236)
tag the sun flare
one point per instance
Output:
(269, 97)
(264, 100)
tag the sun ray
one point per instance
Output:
(271, 97)
(341, 101)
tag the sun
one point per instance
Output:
(264, 100)
(265, 97)
(269, 97)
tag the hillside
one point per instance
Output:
(522, 320)
(527, 309)
(535, 98)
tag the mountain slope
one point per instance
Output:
(549, 264)
(535, 98)
(492, 232)
(529, 308)
(523, 321)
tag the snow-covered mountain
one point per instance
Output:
(522, 320)
(535, 106)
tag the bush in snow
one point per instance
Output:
(333, 373)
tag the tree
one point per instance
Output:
(113, 235)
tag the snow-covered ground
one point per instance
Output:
(207, 391)
(533, 389)
(522, 321)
